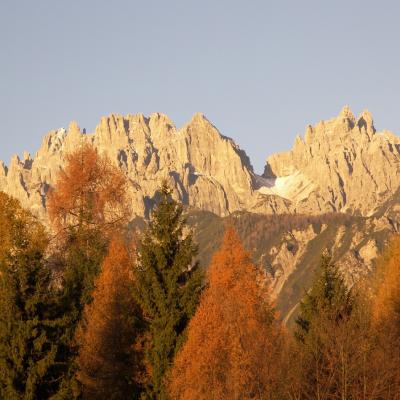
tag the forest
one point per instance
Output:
(90, 309)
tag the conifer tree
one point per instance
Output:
(386, 318)
(386, 307)
(328, 297)
(167, 286)
(27, 325)
(107, 362)
(325, 344)
(86, 206)
(89, 194)
(234, 344)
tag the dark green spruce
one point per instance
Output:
(81, 259)
(328, 298)
(28, 342)
(168, 284)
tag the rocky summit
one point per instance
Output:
(340, 165)
(206, 170)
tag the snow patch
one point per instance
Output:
(295, 187)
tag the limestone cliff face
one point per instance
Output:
(205, 169)
(341, 165)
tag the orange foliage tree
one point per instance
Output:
(233, 345)
(90, 192)
(386, 317)
(387, 301)
(87, 206)
(107, 357)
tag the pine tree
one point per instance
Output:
(107, 361)
(167, 287)
(27, 325)
(234, 344)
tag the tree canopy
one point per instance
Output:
(167, 286)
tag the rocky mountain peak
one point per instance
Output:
(148, 150)
(73, 129)
(200, 122)
(198, 118)
(160, 119)
(346, 114)
(160, 124)
(343, 163)
(365, 123)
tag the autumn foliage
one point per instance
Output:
(85, 315)
(233, 344)
(87, 206)
(387, 301)
(386, 315)
(107, 357)
(90, 192)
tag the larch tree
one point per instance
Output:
(28, 342)
(87, 205)
(386, 317)
(234, 341)
(167, 287)
(90, 193)
(386, 309)
(108, 364)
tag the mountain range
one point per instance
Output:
(336, 189)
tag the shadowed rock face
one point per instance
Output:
(340, 165)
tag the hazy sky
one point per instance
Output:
(259, 70)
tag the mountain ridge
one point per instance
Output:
(339, 165)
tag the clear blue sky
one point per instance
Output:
(259, 70)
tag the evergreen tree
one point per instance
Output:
(27, 326)
(167, 287)
(325, 341)
(328, 297)
(84, 252)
